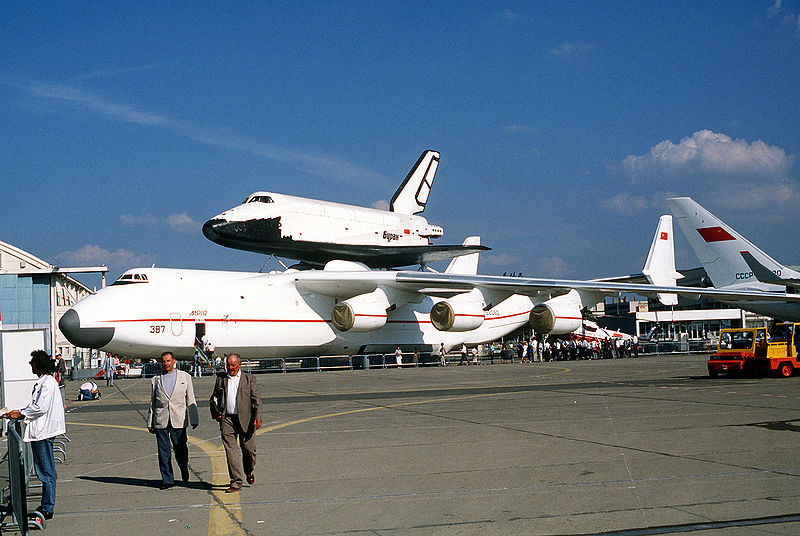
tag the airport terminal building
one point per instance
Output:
(34, 294)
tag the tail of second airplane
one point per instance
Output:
(465, 264)
(412, 196)
(660, 265)
(726, 255)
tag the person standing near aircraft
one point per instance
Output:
(442, 355)
(44, 419)
(198, 373)
(236, 404)
(398, 357)
(172, 406)
(60, 369)
(108, 366)
(208, 348)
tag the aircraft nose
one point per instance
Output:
(70, 326)
(211, 228)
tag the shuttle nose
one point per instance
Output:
(211, 228)
(70, 326)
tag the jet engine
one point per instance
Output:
(457, 316)
(365, 312)
(555, 318)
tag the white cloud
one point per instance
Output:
(381, 204)
(570, 49)
(147, 219)
(737, 173)
(625, 203)
(509, 15)
(502, 259)
(94, 255)
(519, 129)
(709, 152)
(323, 165)
(182, 223)
(551, 267)
(774, 10)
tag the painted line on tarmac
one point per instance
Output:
(225, 514)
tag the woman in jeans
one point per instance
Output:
(44, 420)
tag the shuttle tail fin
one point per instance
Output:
(660, 265)
(465, 264)
(412, 196)
(719, 247)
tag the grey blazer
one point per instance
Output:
(247, 399)
(178, 409)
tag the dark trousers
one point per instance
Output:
(178, 438)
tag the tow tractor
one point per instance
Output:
(754, 350)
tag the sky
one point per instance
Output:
(562, 126)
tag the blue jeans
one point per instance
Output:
(179, 440)
(45, 465)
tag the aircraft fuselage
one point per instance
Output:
(254, 315)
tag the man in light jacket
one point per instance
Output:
(44, 420)
(172, 409)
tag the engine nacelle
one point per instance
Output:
(365, 312)
(555, 318)
(454, 316)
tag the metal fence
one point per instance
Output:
(21, 478)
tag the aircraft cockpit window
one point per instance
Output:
(127, 279)
(260, 199)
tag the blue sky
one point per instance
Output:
(562, 126)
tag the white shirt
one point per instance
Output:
(44, 416)
(231, 408)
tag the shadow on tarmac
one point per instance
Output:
(145, 482)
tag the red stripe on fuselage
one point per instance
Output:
(297, 320)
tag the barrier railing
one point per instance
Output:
(15, 496)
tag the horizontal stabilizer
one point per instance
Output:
(764, 274)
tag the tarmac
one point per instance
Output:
(624, 447)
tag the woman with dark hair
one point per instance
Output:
(44, 420)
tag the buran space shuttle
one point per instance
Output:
(315, 232)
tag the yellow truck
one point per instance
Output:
(756, 351)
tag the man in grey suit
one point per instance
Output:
(172, 408)
(235, 403)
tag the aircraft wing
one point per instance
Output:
(348, 284)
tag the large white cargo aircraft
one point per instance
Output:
(345, 309)
(316, 232)
(734, 263)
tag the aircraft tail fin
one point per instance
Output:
(412, 196)
(719, 247)
(660, 265)
(465, 264)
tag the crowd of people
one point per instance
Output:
(576, 347)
